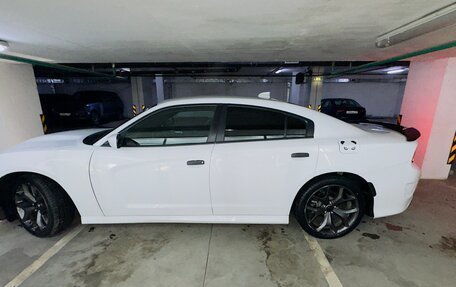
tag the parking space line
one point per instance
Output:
(207, 258)
(326, 268)
(32, 268)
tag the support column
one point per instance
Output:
(20, 107)
(137, 93)
(160, 88)
(295, 91)
(316, 87)
(429, 105)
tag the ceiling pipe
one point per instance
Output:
(54, 66)
(394, 59)
(433, 21)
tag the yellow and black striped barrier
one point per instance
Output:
(135, 111)
(143, 108)
(309, 106)
(43, 123)
(452, 156)
(319, 108)
(398, 119)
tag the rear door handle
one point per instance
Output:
(195, 162)
(300, 154)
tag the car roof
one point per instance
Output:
(250, 101)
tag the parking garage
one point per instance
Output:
(75, 66)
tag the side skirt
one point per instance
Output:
(242, 219)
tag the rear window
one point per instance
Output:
(251, 123)
(345, 103)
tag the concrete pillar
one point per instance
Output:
(429, 105)
(316, 87)
(295, 91)
(20, 107)
(137, 93)
(159, 85)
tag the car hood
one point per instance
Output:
(54, 141)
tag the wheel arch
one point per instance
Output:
(6, 193)
(366, 187)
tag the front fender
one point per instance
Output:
(69, 169)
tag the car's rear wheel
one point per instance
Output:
(330, 208)
(42, 206)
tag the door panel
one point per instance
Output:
(162, 167)
(261, 160)
(260, 178)
(152, 180)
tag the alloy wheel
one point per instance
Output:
(332, 209)
(31, 207)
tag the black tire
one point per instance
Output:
(95, 118)
(49, 199)
(323, 212)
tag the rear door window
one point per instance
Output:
(253, 124)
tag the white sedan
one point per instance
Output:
(213, 160)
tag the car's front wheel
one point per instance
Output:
(330, 208)
(42, 206)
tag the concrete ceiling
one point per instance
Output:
(88, 31)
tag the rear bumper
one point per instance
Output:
(395, 189)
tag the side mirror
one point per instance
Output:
(113, 141)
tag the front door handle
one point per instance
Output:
(300, 154)
(195, 162)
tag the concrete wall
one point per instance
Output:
(150, 92)
(187, 88)
(20, 107)
(379, 99)
(443, 127)
(428, 105)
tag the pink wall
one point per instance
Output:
(421, 97)
(443, 128)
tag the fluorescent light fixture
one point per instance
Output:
(433, 21)
(343, 80)
(279, 71)
(3, 46)
(396, 71)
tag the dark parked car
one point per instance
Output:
(344, 109)
(94, 106)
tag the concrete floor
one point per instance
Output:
(416, 248)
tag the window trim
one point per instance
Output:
(212, 130)
(220, 138)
